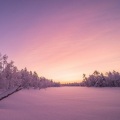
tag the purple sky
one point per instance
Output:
(61, 39)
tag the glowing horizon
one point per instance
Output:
(61, 40)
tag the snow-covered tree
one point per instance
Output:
(11, 77)
(97, 79)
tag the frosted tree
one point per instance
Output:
(11, 77)
(97, 79)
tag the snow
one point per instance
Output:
(1, 91)
(62, 103)
(8, 92)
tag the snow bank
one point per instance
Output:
(62, 103)
(9, 92)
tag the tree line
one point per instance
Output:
(11, 77)
(97, 79)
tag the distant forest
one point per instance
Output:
(11, 77)
(97, 79)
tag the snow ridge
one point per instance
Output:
(9, 92)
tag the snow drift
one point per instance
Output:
(9, 92)
(62, 103)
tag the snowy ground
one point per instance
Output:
(62, 103)
(5, 94)
(2, 90)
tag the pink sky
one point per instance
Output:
(62, 40)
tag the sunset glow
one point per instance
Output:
(61, 39)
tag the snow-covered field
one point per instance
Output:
(62, 103)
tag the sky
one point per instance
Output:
(61, 39)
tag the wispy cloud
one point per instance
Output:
(62, 39)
